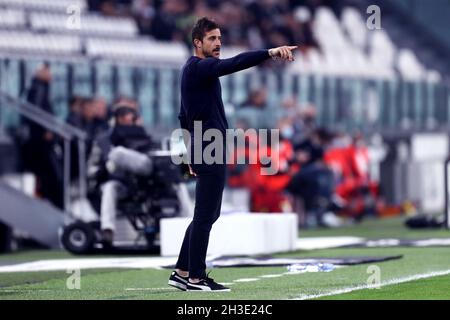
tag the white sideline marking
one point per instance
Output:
(150, 289)
(26, 290)
(89, 263)
(246, 280)
(383, 284)
(326, 242)
(93, 263)
(272, 275)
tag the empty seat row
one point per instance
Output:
(353, 24)
(135, 48)
(143, 49)
(86, 23)
(348, 48)
(24, 41)
(353, 63)
(12, 18)
(54, 5)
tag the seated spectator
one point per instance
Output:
(253, 24)
(314, 182)
(167, 18)
(74, 116)
(101, 116)
(126, 102)
(144, 13)
(304, 123)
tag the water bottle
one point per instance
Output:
(296, 268)
(326, 267)
(311, 267)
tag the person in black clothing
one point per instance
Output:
(201, 101)
(74, 119)
(314, 183)
(91, 122)
(91, 116)
(74, 115)
(101, 116)
(41, 153)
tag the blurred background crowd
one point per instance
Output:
(348, 108)
(254, 24)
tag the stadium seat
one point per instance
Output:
(12, 18)
(311, 62)
(382, 53)
(409, 67)
(23, 41)
(141, 48)
(59, 5)
(230, 51)
(90, 24)
(433, 76)
(355, 27)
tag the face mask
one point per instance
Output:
(287, 132)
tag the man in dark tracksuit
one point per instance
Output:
(201, 101)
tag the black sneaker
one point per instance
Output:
(177, 281)
(206, 284)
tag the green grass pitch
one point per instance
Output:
(420, 274)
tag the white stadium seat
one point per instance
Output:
(311, 62)
(24, 41)
(433, 76)
(231, 51)
(55, 5)
(12, 18)
(325, 18)
(346, 47)
(141, 48)
(354, 25)
(89, 24)
(382, 54)
(409, 66)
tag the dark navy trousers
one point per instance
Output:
(208, 201)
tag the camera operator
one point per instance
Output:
(115, 155)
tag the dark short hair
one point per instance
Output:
(324, 135)
(74, 99)
(121, 111)
(202, 26)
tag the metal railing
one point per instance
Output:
(67, 132)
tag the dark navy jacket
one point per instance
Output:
(201, 93)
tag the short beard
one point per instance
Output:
(208, 54)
